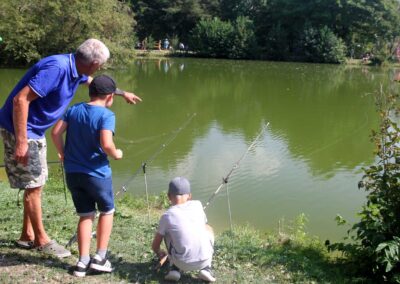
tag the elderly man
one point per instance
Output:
(35, 104)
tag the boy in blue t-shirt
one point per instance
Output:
(89, 140)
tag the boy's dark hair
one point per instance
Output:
(102, 85)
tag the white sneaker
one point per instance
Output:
(205, 275)
(173, 275)
(80, 269)
(99, 264)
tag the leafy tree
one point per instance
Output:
(163, 18)
(321, 45)
(34, 29)
(212, 38)
(244, 42)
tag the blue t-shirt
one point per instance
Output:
(55, 80)
(83, 152)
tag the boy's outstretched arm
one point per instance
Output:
(57, 137)
(108, 146)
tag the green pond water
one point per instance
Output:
(198, 117)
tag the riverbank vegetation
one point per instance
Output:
(241, 256)
(374, 250)
(288, 30)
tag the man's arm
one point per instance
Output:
(130, 98)
(57, 136)
(20, 120)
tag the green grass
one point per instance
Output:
(241, 256)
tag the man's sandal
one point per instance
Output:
(24, 244)
(53, 248)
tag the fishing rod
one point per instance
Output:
(235, 166)
(143, 168)
(155, 154)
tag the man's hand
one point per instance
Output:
(131, 98)
(21, 153)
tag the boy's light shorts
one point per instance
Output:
(193, 265)
(35, 173)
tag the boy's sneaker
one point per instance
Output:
(80, 269)
(205, 274)
(173, 275)
(99, 264)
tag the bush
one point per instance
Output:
(212, 37)
(244, 40)
(321, 45)
(376, 247)
(216, 38)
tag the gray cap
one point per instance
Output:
(179, 186)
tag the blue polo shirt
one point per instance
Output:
(55, 80)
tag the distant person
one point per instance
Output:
(34, 105)
(181, 46)
(166, 44)
(89, 131)
(187, 236)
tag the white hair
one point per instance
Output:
(92, 50)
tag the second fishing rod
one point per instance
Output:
(225, 179)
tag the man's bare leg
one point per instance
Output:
(27, 233)
(33, 213)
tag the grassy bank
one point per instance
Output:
(241, 256)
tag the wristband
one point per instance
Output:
(119, 92)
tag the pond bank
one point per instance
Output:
(241, 256)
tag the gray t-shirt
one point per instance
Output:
(184, 230)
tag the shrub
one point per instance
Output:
(212, 37)
(321, 45)
(376, 246)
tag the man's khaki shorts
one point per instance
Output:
(35, 173)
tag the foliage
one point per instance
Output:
(321, 45)
(164, 18)
(35, 29)
(244, 42)
(376, 247)
(217, 38)
(213, 38)
(314, 30)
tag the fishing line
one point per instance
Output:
(229, 207)
(147, 192)
(63, 178)
(235, 166)
(155, 154)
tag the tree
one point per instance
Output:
(162, 18)
(34, 29)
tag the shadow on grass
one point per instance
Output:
(145, 272)
(13, 256)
